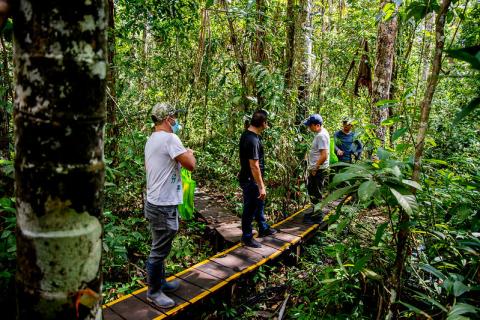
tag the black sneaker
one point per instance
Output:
(309, 219)
(267, 232)
(252, 243)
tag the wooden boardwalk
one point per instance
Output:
(209, 276)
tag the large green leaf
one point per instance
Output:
(430, 269)
(398, 133)
(406, 201)
(459, 288)
(334, 196)
(412, 184)
(345, 176)
(466, 110)
(379, 234)
(459, 309)
(420, 8)
(367, 190)
(471, 55)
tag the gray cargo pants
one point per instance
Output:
(164, 226)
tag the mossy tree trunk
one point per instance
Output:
(113, 128)
(386, 36)
(6, 97)
(60, 111)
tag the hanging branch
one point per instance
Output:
(364, 77)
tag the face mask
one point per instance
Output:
(176, 127)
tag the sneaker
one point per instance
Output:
(309, 219)
(252, 243)
(170, 286)
(267, 232)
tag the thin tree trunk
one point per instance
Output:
(113, 128)
(306, 48)
(7, 97)
(260, 45)
(290, 46)
(426, 104)
(426, 57)
(386, 36)
(241, 64)
(60, 112)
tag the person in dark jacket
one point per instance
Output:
(347, 146)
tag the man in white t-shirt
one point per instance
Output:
(164, 156)
(318, 164)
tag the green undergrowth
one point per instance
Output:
(127, 242)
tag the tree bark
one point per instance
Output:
(113, 128)
(60, 112)
(6, 98)
(260, 46)
(241, 64)
(290, 46)
(386, 36)
(306, 48)
(426, 104)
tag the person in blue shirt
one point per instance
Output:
(347, 146)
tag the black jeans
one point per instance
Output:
(252, 208)
(316, 184)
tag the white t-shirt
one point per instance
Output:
(320, 141)
(164, 182)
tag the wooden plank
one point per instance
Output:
(134, 309)
(180, 304)
(287, 237)
(109, 314)
(293, 228)
(273, 242)
(264, 251)
(190, 292)
(217, 270)
(201, 279)
(244, 252)
(237, 262)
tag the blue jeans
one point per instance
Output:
(252, 208)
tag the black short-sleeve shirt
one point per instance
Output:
(251, 148)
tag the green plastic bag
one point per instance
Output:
(333, 156)
(186, 209)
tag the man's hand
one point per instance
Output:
(340, 152)
(263, 193)
(314, 172)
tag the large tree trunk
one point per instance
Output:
(6, 99)
(60, 72)
(306, 47)
(426, 104)
(386, 36)
(113, 128)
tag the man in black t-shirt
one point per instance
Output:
(252, 169)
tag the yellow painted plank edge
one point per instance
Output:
(292, 216)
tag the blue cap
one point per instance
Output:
(313, 119)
